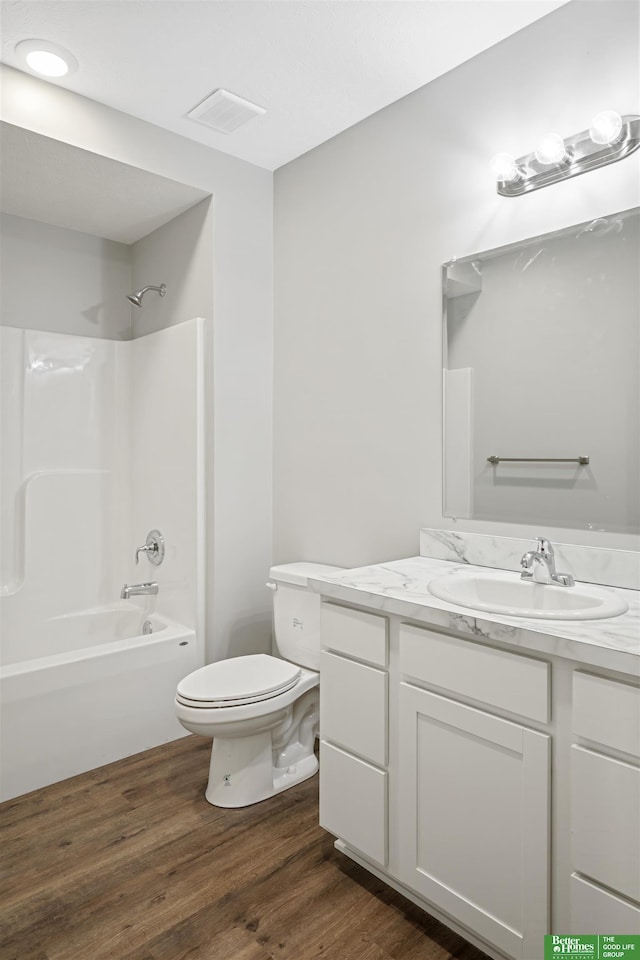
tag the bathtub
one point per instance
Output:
(94, 689)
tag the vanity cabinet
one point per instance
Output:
(436, 775)
(354, 729)
(474, 790)
(605, 805)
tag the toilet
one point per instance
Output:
(263, 711)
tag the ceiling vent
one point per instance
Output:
(225, 112)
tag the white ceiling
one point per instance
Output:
(317, 66)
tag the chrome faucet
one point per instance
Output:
(153, 548)
(540, 565)
(138, 589)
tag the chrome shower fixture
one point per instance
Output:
(136, 298)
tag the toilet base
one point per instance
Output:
(241, 771)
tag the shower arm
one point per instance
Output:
(162, 289)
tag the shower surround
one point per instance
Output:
(102, 441)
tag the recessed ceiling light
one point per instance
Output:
(46, 58)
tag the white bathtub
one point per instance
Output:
(71, 710)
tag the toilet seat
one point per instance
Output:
(238, 681)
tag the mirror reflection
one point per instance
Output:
(541, 379)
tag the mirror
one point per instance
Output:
(541, 379)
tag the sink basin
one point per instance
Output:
(499, 591)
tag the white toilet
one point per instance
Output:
(263, 711)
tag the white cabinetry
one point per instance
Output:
(503, 680)
(354, 707)
(435, 774)
(474, 790)
(353, 801)
(605, 805)
(354, 729)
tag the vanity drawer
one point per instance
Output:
(504, 680)
(593, 908)
(353, 706)
(605, 820)
(353, 801)
(354, 633)
(607, 711)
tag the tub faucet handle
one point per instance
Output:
(153, 547)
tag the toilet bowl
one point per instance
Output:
(262, 711)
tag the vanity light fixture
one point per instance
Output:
(551, 150)
(505, 168)
(606, 127)
(609, 137)
(45, 58)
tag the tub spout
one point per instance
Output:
(138, 589)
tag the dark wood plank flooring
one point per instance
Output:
(129, 862)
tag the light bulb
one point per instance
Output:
(551, 149)
(505, 167)
(606, 127)
(48, 64)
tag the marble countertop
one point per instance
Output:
(401, 587)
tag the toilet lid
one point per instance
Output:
(230, 683)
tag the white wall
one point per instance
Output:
(362, 225)
(239, 368)
(180, 255)
(63, 280)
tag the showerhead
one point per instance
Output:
(136, 298)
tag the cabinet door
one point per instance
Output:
(355, 633)
(605, 810)
(599, 910)
(475, 819)
(353, 707)
(353, 801)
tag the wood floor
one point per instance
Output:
(129, 862)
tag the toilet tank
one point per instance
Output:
(296, 611)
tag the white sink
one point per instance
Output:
(499, 591)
